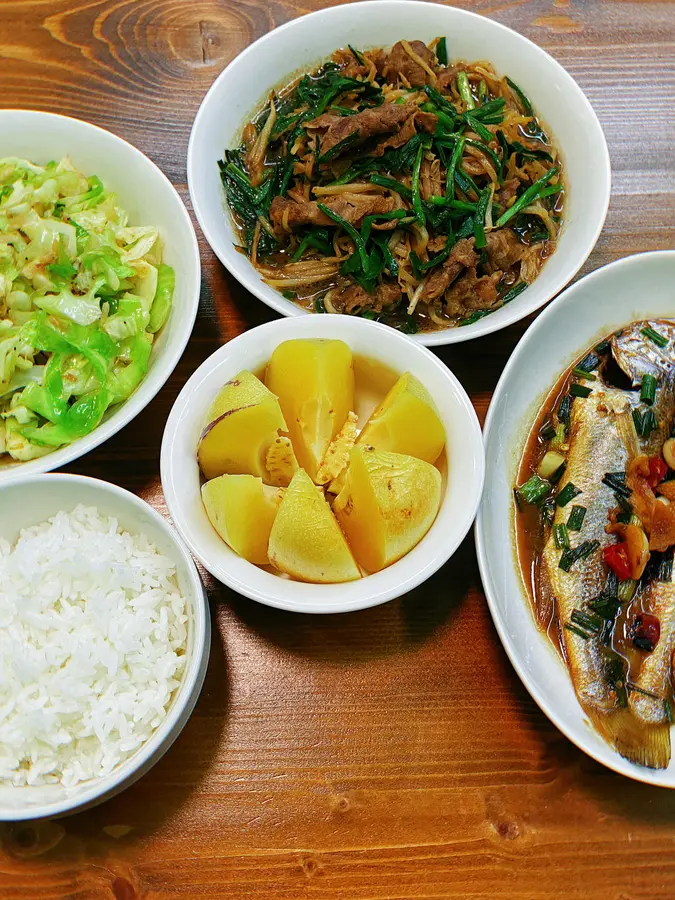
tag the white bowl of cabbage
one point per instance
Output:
(99, 287)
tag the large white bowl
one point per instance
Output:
(304, 42)
(32, 500)
(637, 287)
(252, 350)
(150, 199)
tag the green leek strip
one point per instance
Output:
(527, 197)
(351, 231)
(524, 101)
(514, 292)
(442, 52)
(393, 185)
(561, 537)
(479, 218)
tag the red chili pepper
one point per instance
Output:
(616, 557)
(657, 471)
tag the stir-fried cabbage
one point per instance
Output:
(82, 294)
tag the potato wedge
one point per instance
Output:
(406, 422)
(243, 421)
(387, 505)
(242, 509)
(314, 380)
(306, 541)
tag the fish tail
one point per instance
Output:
(646, 745)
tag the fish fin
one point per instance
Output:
(646, 745)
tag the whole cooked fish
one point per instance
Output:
(649, 699)
(602, 439)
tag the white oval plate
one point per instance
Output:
(303, 43)
(637, 287)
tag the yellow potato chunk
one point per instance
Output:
(337, 455)
(280, 462)
(406, 422)
(242, 509)
(387, 505)
(243, 421)
(306, 541)
(314, 380)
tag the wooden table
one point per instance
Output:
(387, 754)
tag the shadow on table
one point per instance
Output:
(370, 633)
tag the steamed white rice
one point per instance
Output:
(93, 635)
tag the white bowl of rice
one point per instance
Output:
(104, 642)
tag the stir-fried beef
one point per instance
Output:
(287, 215)
(369, 123)
(355, 297)
(399, 63)
(371, 136)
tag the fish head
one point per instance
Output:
(638, 355)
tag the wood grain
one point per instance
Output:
(388, 754)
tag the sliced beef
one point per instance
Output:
(426, 121)
(446, 78)
(507, 191)
(355, 297)
(369, 123)
(504, 249)
(462, 256)
(472, 292)
(288, 214)
(399, 63)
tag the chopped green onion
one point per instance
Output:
(638, 422)
(319, 305)
(561, 537)
(589, 621)
(442, 52)
(548, 510)
(602, 347)
(564, 410)
(654, 336)
(648, 390)
(580, 390)
(583, 551)
(526, 197)
(623, 518)
(616, 481)
(464, 90)
(649, 423)
(623, 502)
(605, 606)
(569, 492)
(578, 631)
(559, 439)
(534, 489)
(482, 90)
(576, 518)
(582, 373)
(588, 363)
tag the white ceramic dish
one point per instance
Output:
(33, 499)
(150, 199)
(637, 287)
(302, 43)
(252, 350)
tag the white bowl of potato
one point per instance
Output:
(322, 464)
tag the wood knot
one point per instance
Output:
(508, 830)
(310, 866)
